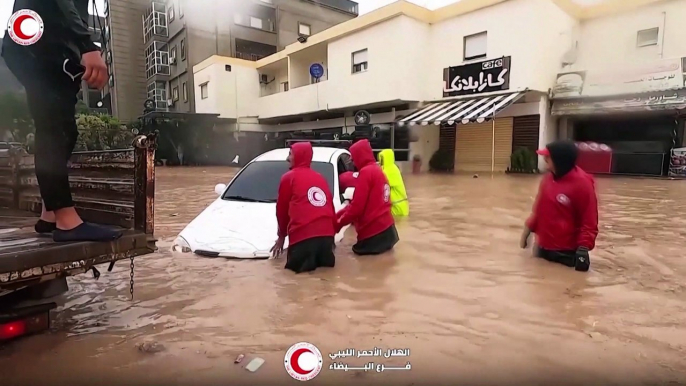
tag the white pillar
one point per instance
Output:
(546, 129)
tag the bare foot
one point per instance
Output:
(67, 218)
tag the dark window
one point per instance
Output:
(183, 49)
(259, 181)
(345, 164)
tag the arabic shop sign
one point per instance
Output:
(626, 79)
(475, 78)
(668, 100)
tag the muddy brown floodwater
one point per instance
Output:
(457, 291)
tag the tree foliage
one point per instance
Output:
(14, 116)
(96, 131)
(102, 132)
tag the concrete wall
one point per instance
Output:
(535, 33)
(396, 70)
(222, 85)
(128, 58)
(608, 41)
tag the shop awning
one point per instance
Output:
(654, 101)
(463, 111)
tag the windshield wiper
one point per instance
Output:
(246, 199)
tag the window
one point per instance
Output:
(255, 22)
(172, 55)
(475, 46)
(111, 81)
(203, 91)
(185, 92)
(183, 49)
(171, 12)
(175, 93)
(181, 9)
(259, 181)
(386, 136)
(647, 37)
(359, 61)
(304, 29)
(284, 86)
(106, 11)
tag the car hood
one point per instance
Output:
(233, 229)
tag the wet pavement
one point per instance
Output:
(458, 292)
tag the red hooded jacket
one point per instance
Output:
(565, 214)
(370, 209)
(304, 207)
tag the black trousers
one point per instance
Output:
(311, 254)
(567, 258)
(378, 244)
(51, 94)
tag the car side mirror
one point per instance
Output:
(219, 189)
(348, 194)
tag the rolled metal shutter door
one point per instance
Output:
(474, 142)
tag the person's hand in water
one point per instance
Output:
(277, 249)
(582, 260)
(95, 73)
(524, 241)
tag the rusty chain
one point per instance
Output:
(131, 281)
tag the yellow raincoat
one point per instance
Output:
(401, 207)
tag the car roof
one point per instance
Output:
(319, 154)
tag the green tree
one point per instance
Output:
(102, 132)
(14, 116)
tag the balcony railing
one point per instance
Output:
(254, 22)
(252, 57)
(157, 60)
(155, 22)
(345, 6)
(157, 92)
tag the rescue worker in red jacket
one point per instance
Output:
(305, 213)
(370, 209)
(565, 214)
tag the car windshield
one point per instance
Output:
(259, 181)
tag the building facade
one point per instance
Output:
(153, 46)
(473, 79)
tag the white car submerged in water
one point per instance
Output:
(241, 223)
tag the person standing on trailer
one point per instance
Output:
(50, 65)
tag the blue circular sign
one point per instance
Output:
(316, 70)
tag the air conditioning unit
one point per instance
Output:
(264, 79)
(170, 103)
(172, 60)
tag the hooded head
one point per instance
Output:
(560, 157)
(386, 157)
(362, 154)
(301, 155)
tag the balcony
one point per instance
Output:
(155, 22)
(157, 60)
(301, 100)
(157, 91)
(345, 6)
(255, 22)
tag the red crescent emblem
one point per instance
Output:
(22, 17)
(16, 27)
(294, 361)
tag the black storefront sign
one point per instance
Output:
(476, 78)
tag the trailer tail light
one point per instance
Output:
(26, 326)
(12, 330)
